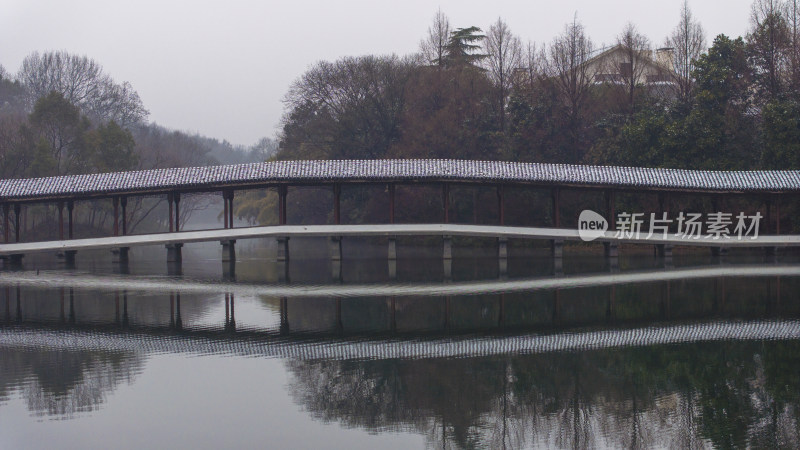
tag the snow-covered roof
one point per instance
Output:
(211, 178)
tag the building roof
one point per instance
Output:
(648, 58)
(211, 178)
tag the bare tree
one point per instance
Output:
(687, 42)
(74, 77)
(567, 65)
(534, 62)
(82, 82)
(433, 47)
(13, 159)
(571, 72)
(118, 102)
(353, 105)
(635, 49)
(768, 44)
(528, 77)
(504, 55)
(793, 19)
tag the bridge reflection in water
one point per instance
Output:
(674, 357)
(467, 306)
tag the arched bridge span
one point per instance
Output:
(772, 188)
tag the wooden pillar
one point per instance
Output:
(392, 249)
(768, 229)
(610, 199)
(282, 192)
(715, 207)
(501, 208)
(225, 218)
(230, 208)
(227, 213)
(446, 202)
(662, 201)
(6, 224)
(777, 215)
(768, 218)
(177, 198)
(336, 241)
(171, 214)
(337, 191)
(502, 242)
(664, 250)
(70, 209)
(115, 201)
(124, 204)
(391, 203)
(61, 220)
(556, 198)
(17, 209)
(610, 249)
(556, 245)
(283, 241)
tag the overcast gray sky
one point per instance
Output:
(221, 68)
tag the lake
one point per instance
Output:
(692, 351)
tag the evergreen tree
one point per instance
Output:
(464, 46)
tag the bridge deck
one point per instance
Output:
(375, 230)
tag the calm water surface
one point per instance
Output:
(692, 352)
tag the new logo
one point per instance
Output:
(591, 225)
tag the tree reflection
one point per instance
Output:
(724, 394)
(61, 382)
